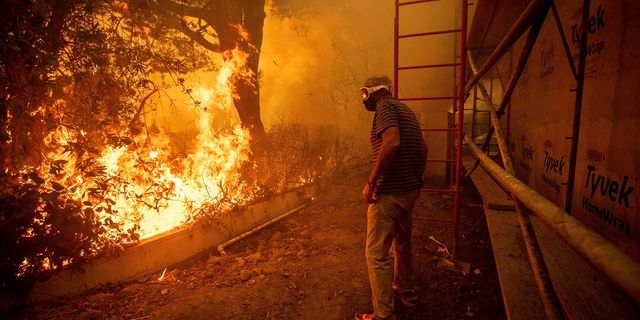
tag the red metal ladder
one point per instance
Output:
(457, 99)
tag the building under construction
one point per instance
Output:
(542, 97)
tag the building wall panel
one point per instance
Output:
(606, 183)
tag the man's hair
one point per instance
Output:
(377, 81)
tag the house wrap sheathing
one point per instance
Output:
(606, 186)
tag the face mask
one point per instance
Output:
(370, 104)
(367, 96)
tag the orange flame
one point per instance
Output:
(153, 189)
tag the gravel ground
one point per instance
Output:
(308, 266)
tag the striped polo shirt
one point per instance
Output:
(405, 172)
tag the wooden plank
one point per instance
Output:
(583, 291)
(519, 291)
(492, 195)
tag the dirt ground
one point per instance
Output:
(308, 266)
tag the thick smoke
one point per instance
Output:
(316, 56)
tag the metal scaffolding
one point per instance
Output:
(603, 255)
(622, 270)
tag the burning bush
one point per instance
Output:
(43, 228)
(84, 174)
(70, 211)
(80, 168)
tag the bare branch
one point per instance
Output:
(141, 107)
(205, 13)
(174, 11)
(182, 9)
(179, 24)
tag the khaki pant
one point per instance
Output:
(389, 222)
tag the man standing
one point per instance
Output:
(399, 156)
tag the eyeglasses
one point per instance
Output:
(365, 92)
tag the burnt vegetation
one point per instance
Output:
(85, 72)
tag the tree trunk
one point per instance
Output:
(224, 16)
(250, 15)
(249, 103)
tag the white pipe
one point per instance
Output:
(258, 228)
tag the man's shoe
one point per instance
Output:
(365, 316)
(371, 316)
(408, 298)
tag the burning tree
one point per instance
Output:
(218, 26)
(81, 173)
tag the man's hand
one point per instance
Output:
(390, 145)
(368, 193)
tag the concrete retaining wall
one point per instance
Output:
(165, 250)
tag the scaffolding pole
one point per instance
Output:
(563, 37)
(604, 256)
(515, 75)
(575, 132)
(550, 301)
(532, 13)
(461, 97)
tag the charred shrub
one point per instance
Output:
(299, 155)
(43, 229)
